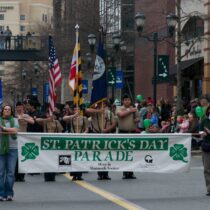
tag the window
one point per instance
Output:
(1, 28)
(44, 18)
(22, 28)
(193, 28)
(22, 17)
(1, 16)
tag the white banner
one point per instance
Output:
(50, 152)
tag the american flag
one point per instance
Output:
(54, 74)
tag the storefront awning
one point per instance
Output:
(185, 65)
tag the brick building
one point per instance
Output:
(155, 13)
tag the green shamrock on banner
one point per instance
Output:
(178, 152)
(29, 151)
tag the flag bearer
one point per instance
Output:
(78, 124)
(102, 121)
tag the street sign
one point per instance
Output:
(112, 76)
(85, 86)
(119, 79)
(163, 67)
(34, 91)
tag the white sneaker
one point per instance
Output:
(2, 198)
(9, 198)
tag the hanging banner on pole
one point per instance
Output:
(85, 86)
(163, 67)
(119, 79)
(46, 92)
(34, 91)
(47, 152)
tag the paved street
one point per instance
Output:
(148, 191)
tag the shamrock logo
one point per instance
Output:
(29, 151)
(178, 152)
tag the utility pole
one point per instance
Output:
(179, 73)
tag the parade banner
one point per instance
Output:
(47, 152)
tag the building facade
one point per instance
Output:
(23, 16)
(206, 73)
(192, 49)
(155, 13)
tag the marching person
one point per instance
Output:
(78, 124)
(128, 118)
(23, 120)
(205, 145)
(102, 121)
(50, 125)
(8, 152)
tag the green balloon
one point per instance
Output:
(147, 123)
(204, 110)
(139, 98)
(199, 111)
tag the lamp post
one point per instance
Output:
(117, 45)
(26, 77)
(23, 74)
(171, 22)
(116, 38)
(89, 59)
(92, 41)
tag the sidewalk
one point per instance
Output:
(196, 152)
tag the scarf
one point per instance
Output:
(4, 143)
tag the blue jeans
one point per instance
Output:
(7, 172)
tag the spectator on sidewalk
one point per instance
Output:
(8, 35)
(2, 40)
(8, 153)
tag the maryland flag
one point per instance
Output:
(75, 76)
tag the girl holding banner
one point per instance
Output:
(8, 152)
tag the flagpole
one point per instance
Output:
(77, 75)
(102, 117)
(103, 114)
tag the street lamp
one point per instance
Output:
(171, 22)
(24, 74)
(116, 38)
(123, 47)
(36, 70)
(139, 19)
(92, 41)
